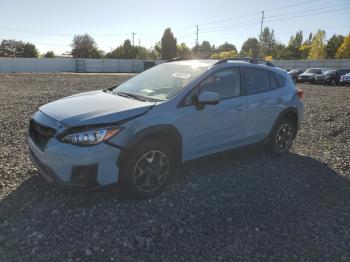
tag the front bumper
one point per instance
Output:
(344, 81)
(306, 79)
(322, 80)
(82, 168)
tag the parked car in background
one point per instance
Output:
(345, 79)
(294, 73)
(136, 133)
(309, 74)
(331, 77)
(343, 71)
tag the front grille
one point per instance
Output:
(40, 134)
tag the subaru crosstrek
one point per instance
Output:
(136, 133)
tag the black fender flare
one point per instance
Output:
(290, 111)
(165, 132)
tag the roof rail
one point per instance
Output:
(245, 59)
(176, 59)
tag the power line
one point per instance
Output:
(255, 13)
(54, 34)
(292, 5)
(231, 27)
(184, 29)
(309, 14)
(310, 10)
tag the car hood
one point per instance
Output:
(293, 73)
(94, 107)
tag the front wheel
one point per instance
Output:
(282, 137)
(148, 169)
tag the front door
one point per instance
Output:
(215, 127)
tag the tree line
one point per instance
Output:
(314, 46)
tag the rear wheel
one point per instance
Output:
(148, 169)
(282, 137)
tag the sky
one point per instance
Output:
(51, 25)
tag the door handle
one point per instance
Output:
(238, 107)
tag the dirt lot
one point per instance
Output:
(244, 206)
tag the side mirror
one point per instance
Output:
(208, 98)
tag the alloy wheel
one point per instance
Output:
(284, 137)
(151, 171)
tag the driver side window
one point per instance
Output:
(225, 82)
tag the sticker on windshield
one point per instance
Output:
(181, 75)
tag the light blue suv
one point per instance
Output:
(136, 133)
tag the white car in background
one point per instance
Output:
(345, 79)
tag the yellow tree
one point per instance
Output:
(317, 50)
(344, 50)
(304, 50)
(222, 55)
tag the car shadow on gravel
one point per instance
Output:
(293, 203)
(241, 167)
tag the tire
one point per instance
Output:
(280, 143)
(142, 177)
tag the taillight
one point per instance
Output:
(300, 93)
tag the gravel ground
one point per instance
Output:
(239, 206)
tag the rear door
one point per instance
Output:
(265, 101)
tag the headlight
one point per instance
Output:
(91, 137)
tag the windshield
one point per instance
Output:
(294, 71)
(330, 72)
(162, 82)
(313, 71)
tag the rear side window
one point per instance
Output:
(256, 80)
(281, 80)
(274, 83)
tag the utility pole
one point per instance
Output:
(139, 42)
(197, 35)
(261, 29)
(133, 38)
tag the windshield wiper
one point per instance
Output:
(138, 97)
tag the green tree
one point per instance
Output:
(28, 50)
(280, 51)
(10, 47)
(250, 48)
(142, 52)
(317, 50)
(333, 45)
(125, 51)
(293, 49)
(84, 46)
(203, 51)
(13, 48)
(183, 51)
(49, 54)
(304, 50)
(226, 47)
(267, 42)
(344, 50)
(168, 45)
(308, 41)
